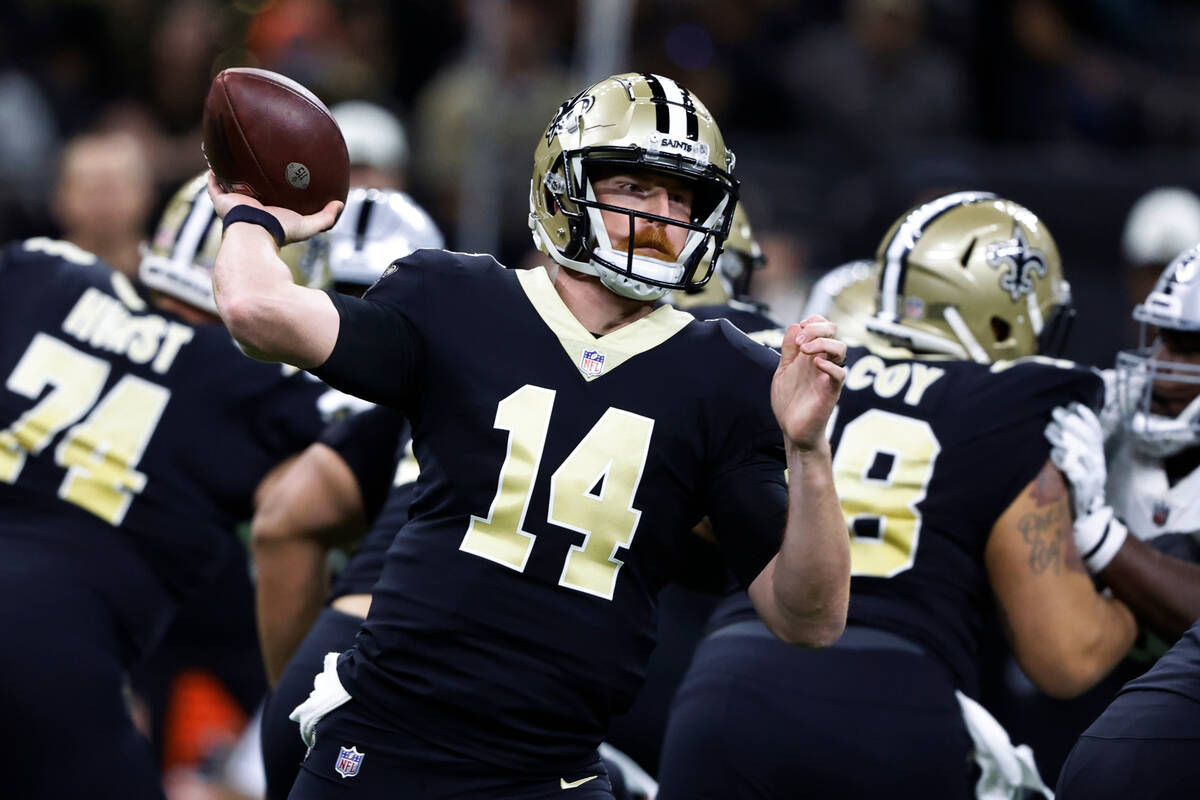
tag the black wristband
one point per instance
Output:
(256, 216)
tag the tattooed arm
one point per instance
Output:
(1065, 635)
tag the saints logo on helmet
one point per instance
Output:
(376, 227)
(179, 260)
(1146, 379)
(973, 276)
(639, 121)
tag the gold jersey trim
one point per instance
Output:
(613, 349)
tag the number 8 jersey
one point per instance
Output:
(560, 473)
(131, 442)
(927, 455)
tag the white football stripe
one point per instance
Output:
(678, 113)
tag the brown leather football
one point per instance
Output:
(267, 136)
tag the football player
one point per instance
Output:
(1145, 485)
(135, 434)
(957, 519)
(567, 436)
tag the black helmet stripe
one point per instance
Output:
(895, 254)
(693, 122)
(675, 111)
(662, 116)
(364, 219)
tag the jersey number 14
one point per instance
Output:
(611, 457)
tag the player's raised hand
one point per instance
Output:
(296, 227)
(808, 381)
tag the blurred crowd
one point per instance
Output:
(842, 113)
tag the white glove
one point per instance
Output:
(1077, 448)
(327, 694)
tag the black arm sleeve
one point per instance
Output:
(748, 508)
(379, 355)
(370, 444)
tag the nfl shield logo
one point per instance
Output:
(1161, 512)
(348, 762)
(592, 362)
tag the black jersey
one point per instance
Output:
(516, 609)
(749, 318)
(928, 453)
(132, 441)
(1177, 671)
(377, 447)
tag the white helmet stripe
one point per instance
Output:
(675, 107)
(192, 233)
(905, 239)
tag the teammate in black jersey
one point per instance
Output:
(569, 435)
(134, 435)
(954, 514)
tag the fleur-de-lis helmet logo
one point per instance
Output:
(1018, 264)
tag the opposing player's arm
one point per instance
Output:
(804, 591)
(310, 504)
(1065, 635)
(1163, 591)
(266, 312)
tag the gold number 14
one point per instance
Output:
(591, 491)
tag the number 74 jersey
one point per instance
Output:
(927, 454)
(131, 442)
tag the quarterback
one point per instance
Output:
(567, 436)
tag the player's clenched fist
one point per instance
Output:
(808, 381)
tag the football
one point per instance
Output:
(267, 136)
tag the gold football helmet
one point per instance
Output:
(641, 121)
(972, 276)
(740, 258)
(179, 260)
(846, 295)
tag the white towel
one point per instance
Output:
(327, 694)
(1006, 770)
(637, 781)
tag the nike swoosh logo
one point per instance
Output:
(565, 784)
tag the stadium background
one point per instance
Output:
(842, 114)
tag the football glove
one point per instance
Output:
(1077, 448)
(327, 694)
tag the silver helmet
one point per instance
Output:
(1144, 376)
(377, 227)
